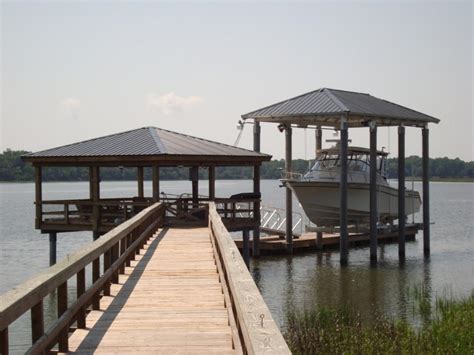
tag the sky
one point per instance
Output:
(72, 71)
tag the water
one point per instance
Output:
(300, 281)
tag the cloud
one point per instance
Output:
(171, 103)
(71, 105)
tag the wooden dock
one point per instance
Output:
(169, 301)
(276, 244)
(162, 290)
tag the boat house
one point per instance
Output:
(340, 110)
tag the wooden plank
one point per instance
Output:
(62, 307)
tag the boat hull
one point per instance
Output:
(321, 202)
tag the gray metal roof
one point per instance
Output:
(147, 141)
(326, 106)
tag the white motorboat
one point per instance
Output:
(318, 189)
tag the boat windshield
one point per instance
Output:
(355, 162)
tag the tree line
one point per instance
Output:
(12, 168)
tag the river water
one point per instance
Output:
(304, 280)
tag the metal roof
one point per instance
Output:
(326, 106)
(146, 142)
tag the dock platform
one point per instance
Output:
(306, 242)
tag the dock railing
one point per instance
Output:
(117, 248)
(258, 332)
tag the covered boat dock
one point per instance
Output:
(340, 110)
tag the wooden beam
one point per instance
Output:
(256, 136)
(94, 188)
(140, 181)
(52, 248)
(194, 177)
(156, 182)
(319, 141)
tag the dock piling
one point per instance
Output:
(401, 192)
(426, 191)
(52, 248)
(289, 202)
(373, 192)
(246, 247)
(343, 242)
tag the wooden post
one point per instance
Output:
(289, 202)
(246, 247)
(81, 288)
(95, 277)
(94, 188)
(156, 183)
(95, 235)
(63, 344)
(319, 141)
(194, 177)
(212, 182)
(401, 192)
(107, 263)
(140, 181)
(319, 240)
(37, 321)
(373, 192)
(4, 346)
(256, 212)
(114, 254)
(343, 239)
(256, 136)
(426, 191)
(38, 196)
(317, 153)
(52, 248)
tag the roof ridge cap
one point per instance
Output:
(209, 141)
(335, 99)
(87, 140)
(161, 147)
(282, 102)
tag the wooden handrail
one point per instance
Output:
(30, 294)
(259, 332)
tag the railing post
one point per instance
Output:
(52, 248)
(106, 267)
(37, 321)
(129, 242)
(66, 213)
(63, 343)
(4, 347)
(81, 288)
(246, 248)
(123, 247)
(95, 277)
(113, 258)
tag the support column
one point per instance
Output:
(194, 177)
(373, 192)
(319, 141)
(52, 248)
(95, 235)
(38, 196)
(426, 191)
(256, 212)
(245, 247)
(401, 192)
(256, 136)
(343, 239)
(156, 183)
(317, 154)
(94, 189)
(289, 202)
(140, 181)
(212, 182)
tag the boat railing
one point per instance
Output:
(273, 220)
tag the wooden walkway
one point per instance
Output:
(169, 301)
